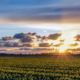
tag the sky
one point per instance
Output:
(56, 24)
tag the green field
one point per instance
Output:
(33, 68)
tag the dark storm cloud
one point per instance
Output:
(77, 38)
(54, 36)
(43, 10)
(72, 45)
(7, 38)
(45, 45)
(58, 45)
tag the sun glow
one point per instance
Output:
(62, 48)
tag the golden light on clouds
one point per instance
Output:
(68, 31)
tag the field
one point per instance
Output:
(39, 68)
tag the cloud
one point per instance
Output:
(58, 45)
(28, 45)
(20, 35)
(54, 36)
(27, 39)
(33, 10)
(45, 45)
(76, 49)
(7, 38)
(34, 33)
(1, 44)
(72, 45)
(3, 50)
(16, 44)
(24, 49)
(53, 12)
(36, 49)
(7, 44)
(31, 34)
(62, 40)
(38, 36)
(44, 38)
(77, 38)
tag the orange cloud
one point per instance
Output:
(72, 45)
(58, 45)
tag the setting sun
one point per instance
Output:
(62, 48)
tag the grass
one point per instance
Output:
(33, 68)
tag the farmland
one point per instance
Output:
(39, 68)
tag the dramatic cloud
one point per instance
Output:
(72, 45)
(58, 45)
(54, 36)
(45, 45)
(77, 38)
(7, 38)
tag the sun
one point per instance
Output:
(62, 48)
